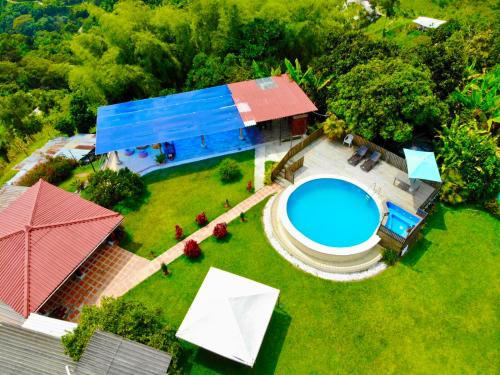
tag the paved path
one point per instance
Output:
(133, 274)
(260, 166)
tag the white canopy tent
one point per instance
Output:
(229, 316)
(428, 23)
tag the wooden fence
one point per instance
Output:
(387, 156)
(294, 167)
(295, 150)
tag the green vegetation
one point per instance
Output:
(268, 168)
(78, 176)
(392, 83)
(431, 311)
(53, 170)
(175, 196)
(128, 319)
(229, 170)
(108, 188)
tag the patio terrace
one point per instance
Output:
(325, 156)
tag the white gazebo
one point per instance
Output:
(229, 316)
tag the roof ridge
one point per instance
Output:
(77, 221)
(35, 205)
(26, 283)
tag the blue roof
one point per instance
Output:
(166, 119)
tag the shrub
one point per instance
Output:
(250, 187)
(243, 217)
(390, 257)
(220, 231)
(334, 127)
(493, 207)
(201, 219)
(160, 158)
(229, 170)
(192, 249)
(108, 188)
(179, 233)
(164, 268)
(269, 166)
(54, 170)
(129, 319)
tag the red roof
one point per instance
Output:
(45, 235)
(270, 99)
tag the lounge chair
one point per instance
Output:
(348, 140)
(368, 165)
(358, 155)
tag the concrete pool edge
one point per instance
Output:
(372, 270)
(314, 248)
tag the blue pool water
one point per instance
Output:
(333, 212)
(399, 220)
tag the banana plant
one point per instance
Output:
(307, 78)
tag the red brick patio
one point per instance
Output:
(98, 272)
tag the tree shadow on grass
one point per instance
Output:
(267, 359)
(416, 253)
(129, 244)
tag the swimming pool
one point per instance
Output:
(327, 215)
(399, 220)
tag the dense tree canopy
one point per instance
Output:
(386, 98)
(62, 59)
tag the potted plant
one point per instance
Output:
(161, 158)
(164, 269)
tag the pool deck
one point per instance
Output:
(325, 156)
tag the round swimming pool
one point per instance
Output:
(330, 215)
(333, 212)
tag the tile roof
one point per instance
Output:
(26, 352)
(270, 99)
(45, 235)
(110, 354)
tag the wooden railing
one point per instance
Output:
(291, 169)
(295, 150)
(387, 156)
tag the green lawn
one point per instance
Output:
(175, 196)
(69, 183)
(435, 312)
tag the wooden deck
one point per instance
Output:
(325, 156)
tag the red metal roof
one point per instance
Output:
(44, 237)
(270, 99)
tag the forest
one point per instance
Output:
(374, 74)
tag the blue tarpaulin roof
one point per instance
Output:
(166, 119)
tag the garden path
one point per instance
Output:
(131, 276)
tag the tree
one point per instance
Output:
(469, 162)
(108, 188)
(387, 99)
(447, 62)
(81, 114)
(261, 39)
(129, 319)
(18, 116)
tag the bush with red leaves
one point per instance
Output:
(201, 219)
(192, 249)
(250, 187)
(220, 231)
(179, 233)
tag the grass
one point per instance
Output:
(434, 312)
(69, 183)
(175, 196)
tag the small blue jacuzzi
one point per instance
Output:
(399, 220)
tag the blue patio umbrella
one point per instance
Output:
(422, 165)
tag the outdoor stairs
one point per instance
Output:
(281, 180)
(368, 260)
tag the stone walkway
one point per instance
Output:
(130, 276)
(260, 166)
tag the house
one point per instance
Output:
(201, 124)
(27, 352)
(428, 23)
(46, 234)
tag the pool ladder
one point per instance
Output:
(376, 189)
